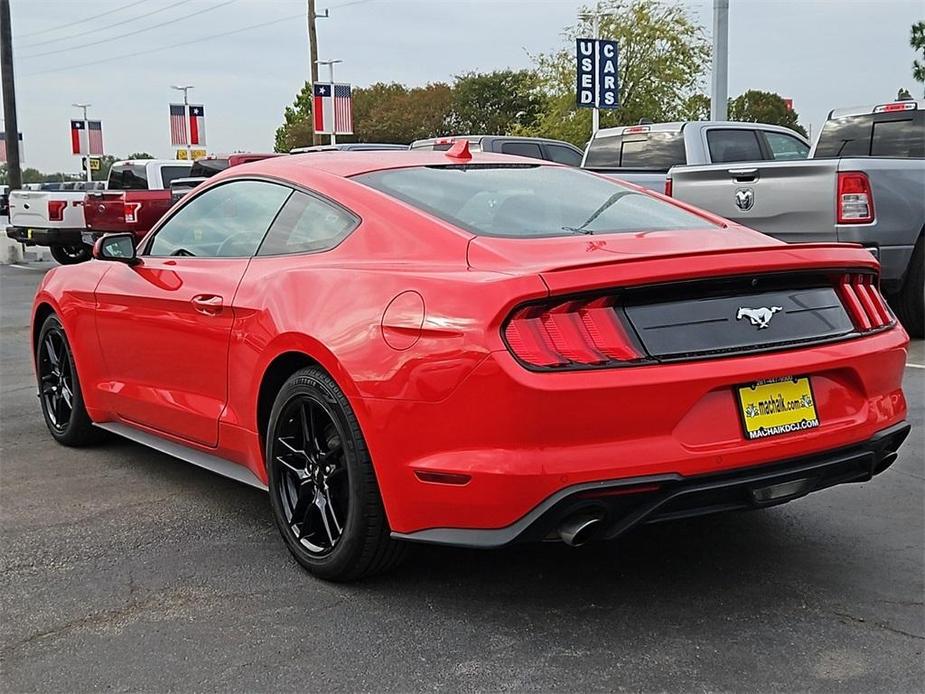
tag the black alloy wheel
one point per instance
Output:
(323, 490)
(59, 388)
(314, 490)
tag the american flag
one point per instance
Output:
(343, 110)
(178, 130)
(95, 137)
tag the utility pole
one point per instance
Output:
(185, 89)
(313, 52)
(86, 158)
(719, 94)
(331, 64)
(13, 164)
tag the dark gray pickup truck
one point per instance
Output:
(864, 182)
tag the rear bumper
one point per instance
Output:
(521, 437)
(33, 236)
(625, 503)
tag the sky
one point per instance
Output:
(122, 56)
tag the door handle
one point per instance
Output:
(209, 304)
(744, 175)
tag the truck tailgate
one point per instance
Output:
(793, 201)
(30, 208)
(135, 211)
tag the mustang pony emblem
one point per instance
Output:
(758, 316)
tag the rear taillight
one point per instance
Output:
(668, 186)
(130, 209)
(864, 302)
(580, 332)
(855, 203)
(56, 210)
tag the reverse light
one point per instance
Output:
(855, 203)
(56, 210)
(580, 332)
(864, 303)
(130, 210)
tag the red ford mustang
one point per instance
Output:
(472, 350)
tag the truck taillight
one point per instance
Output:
(56, 210)
(855, 204)
(130, 210)
(575, 333)
(668, 186)
(864, 303)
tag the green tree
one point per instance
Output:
(663, 58)
(496, 102)
(296, 130)
(764, 107)
(917, 41)
(106, 162)
(140, 155)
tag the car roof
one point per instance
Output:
(479, 138)
(346, 164)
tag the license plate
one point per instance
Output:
(779, 406)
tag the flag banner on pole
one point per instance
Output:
(343, 110)
(323, 108)
(597, 83)
(197, 125)
(178, 131)
(332, 109)
(95, 137)
(3, 148)
(79, 141)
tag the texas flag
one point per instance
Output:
(332, 109)
(197, 125)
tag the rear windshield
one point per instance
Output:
(169, 173)
(656, 151)
(128, 177)
(525, 201)
(873, 135)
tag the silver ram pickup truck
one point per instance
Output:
(643, 154)
(864, 183)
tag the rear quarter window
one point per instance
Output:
(128, 177)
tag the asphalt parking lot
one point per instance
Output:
(122, 568)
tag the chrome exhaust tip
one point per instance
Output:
(578, 529)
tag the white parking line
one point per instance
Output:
(26, 267)
(916, 366)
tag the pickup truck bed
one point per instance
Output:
(49, 218)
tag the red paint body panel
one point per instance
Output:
(406, 314)
(105, 211)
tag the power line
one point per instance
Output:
(82, 21)
(167, 48)
(133, 33)
(127, 56)
(97, 30)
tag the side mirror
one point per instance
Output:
(117, 247)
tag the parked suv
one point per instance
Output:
(642, 154)
(534, 147)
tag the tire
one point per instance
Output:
(59, 388)
(71, 255)
(318, 466)
(910, 301)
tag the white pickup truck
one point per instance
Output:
(864, 182)
(54, 216)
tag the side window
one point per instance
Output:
(784, 147)
(563, 155)
(522, 149)
(307, 224)
(733, 145)
(228, 221)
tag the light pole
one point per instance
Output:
(331, 64)
(185, 89)
(719, 94)
(84, 108)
